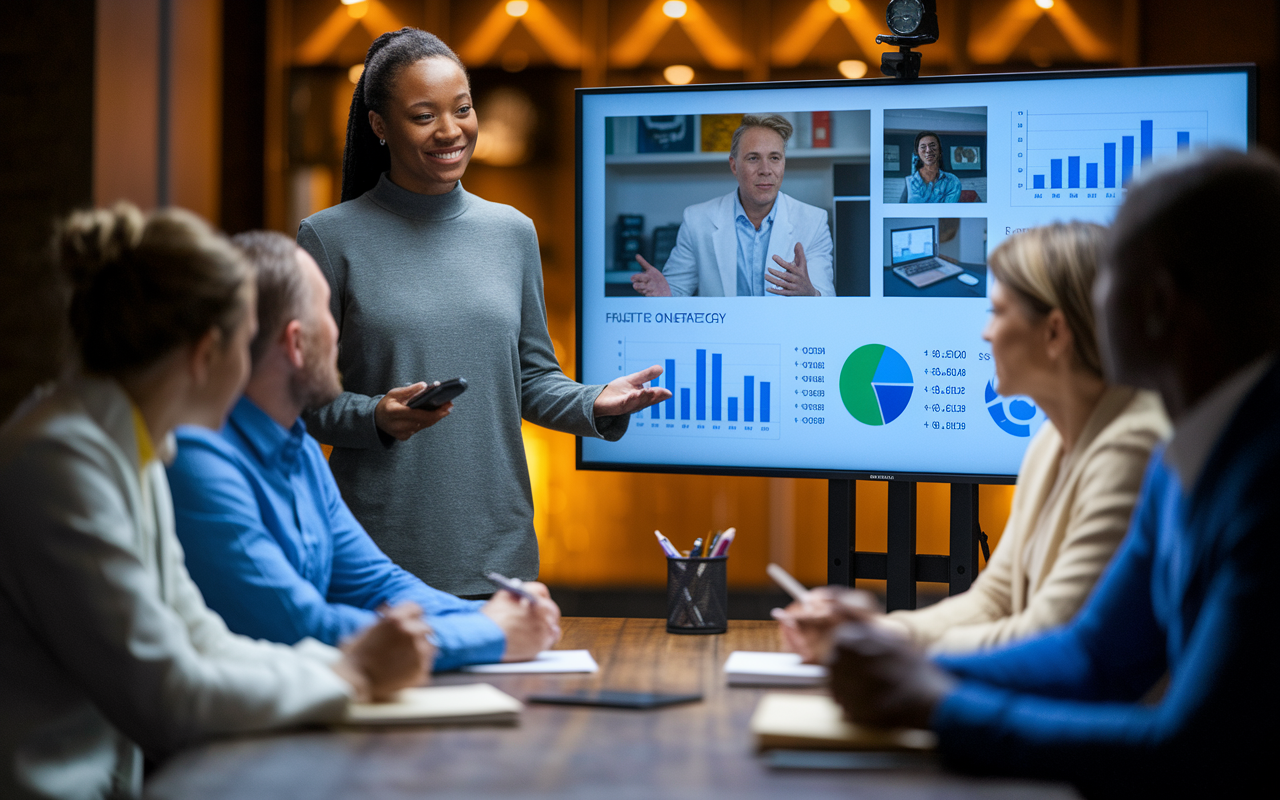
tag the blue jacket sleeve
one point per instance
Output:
(239, 566)
(1216, 684)
(365, 577)
(1083, 660)
(1030, 692)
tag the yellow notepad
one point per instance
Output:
(439, 705)
(815, 722)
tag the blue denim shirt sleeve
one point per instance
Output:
(238, 564)
(364, 576)
(245, 574)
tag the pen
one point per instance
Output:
(711, 546)
(696, 552)
(666, 545)
(510, 585)
(722, 546)
(789, 584)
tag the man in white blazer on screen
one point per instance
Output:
(753, 241)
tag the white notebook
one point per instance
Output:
(548, 661)
(439, 705)
(747, 668)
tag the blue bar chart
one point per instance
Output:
(722, 390)
(1070, 159)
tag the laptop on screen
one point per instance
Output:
(911, 252)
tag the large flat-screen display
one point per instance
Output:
(895, 192)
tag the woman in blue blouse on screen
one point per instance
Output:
(927, 183)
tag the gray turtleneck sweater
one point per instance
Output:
(430, 287)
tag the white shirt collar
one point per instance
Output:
(1203, 425)
(739, 211)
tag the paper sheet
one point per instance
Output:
(748, 668)
(547, 661)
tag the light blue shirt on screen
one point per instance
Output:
(753, 249)
(276, 552)
(946, 189)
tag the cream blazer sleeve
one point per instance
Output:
(1099, 517)
(990, 597)
(1085, 523)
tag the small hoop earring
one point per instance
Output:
(382, 142)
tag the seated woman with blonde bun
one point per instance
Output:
(107, 649)
(1079, 479)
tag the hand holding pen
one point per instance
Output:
(808, 624)
(528, 617)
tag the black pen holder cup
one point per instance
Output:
(697, 595)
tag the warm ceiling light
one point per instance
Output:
(355, 72)
(351, 2)
(1045, 4)
(678, 74)
(517, 8)
(839, 6)
(852, 68)
(358, 9)
(675, 9)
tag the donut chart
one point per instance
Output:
(1012, 415)
(875, 384)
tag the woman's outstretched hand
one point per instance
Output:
(628, 394)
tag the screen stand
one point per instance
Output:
(900, 560)
(900, 567)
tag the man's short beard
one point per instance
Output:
(318, 383)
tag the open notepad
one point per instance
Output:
(815, 722)
(439, 705)
(547, 661)
(748, 668)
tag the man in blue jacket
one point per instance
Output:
(1186, 310)
(267, 536)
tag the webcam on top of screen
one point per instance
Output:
(914, 24)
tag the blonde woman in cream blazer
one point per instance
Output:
(107, 642)
(1079, 479)
(107, 649)
(1068, 516)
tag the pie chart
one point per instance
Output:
(875, 384)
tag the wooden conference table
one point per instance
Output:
(690, 751)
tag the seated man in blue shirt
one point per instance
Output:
(1189, 593)
(268, 538)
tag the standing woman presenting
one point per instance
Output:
(429, 280)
